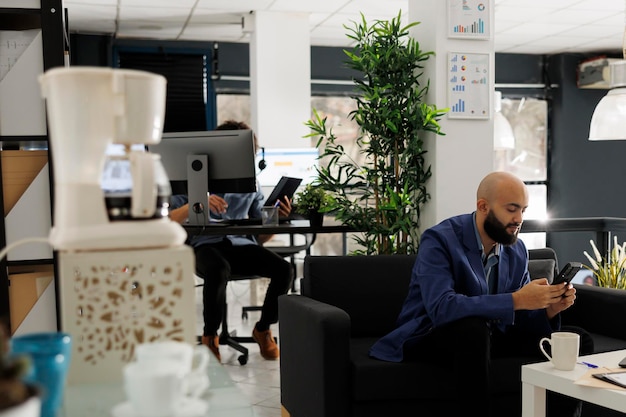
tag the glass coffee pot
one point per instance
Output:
(135, 184)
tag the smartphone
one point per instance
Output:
(622, 363)
(567, 273)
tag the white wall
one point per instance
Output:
(280, 77)
(461, 158)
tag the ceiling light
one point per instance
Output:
(608, 121)
(609, 118)
(503, 137)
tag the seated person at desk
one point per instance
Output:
(217, 257)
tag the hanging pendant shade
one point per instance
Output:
(609, 118)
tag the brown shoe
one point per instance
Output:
(269, 349)
(213, 343)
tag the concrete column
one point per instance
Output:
(280, 77)
(461, 158)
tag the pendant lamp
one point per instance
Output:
(609, 118)
(608, 121)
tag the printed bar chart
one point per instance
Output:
(476, 27)
(469, 19)
(468, 85)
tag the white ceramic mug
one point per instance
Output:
(564, 349)
(154, 391)
(191, 360)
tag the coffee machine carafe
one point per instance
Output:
(89, 109)
(124, 168)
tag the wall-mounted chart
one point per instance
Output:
(469, 19)
(468, 85)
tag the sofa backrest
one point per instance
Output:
(542, 263)
(371, 289)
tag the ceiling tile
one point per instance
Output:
(92, 19)
(80, 3)
(157, 14)
(235, 5)
(147, 4)
(327, 6)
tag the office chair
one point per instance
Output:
(286, 251)
(229, 337)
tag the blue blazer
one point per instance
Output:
(448, 283)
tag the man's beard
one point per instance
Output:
(496, 230)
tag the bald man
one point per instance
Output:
(471, 298)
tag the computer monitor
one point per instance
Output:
(219, 161)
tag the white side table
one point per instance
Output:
(539, 377)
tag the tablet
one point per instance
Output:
(616, 378)
(287, 186)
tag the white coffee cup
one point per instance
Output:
(191, 360)
(154, 391)
(564, 349)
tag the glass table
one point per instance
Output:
(98, 399)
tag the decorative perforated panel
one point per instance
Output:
(112, 301)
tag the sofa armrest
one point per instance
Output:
(314, 357)
(596, 310)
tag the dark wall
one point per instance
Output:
(585, 177)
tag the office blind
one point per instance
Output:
(185, 109)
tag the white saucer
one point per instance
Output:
(191, 407)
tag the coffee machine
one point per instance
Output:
(125, 276)
(88, 110)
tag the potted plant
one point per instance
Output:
(383, 196)
(17, 399)
(312, 202)
(609, 271)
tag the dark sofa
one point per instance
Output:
(348, 302)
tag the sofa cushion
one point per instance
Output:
(375, 380)
(419, 379)
(542, 268)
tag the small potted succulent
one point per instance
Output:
(17, 399)
(312, 202)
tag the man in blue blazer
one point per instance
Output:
(471, 297)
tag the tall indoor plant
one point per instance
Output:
(383, 196)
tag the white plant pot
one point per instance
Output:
(29, 408)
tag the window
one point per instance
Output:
(188, 81)
(528, 159)
(233, 107)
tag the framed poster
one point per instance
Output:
(469, 19)
(468, 85)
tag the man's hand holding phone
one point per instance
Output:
(567, 273)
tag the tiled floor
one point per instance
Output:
(258, 379)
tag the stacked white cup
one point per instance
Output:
(167, 379)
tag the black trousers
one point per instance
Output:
(216, 262)
(470, 344)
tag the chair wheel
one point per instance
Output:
(243, 359)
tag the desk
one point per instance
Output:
(602, 226)
(539, 377)
(292, 228)
(96, 400)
